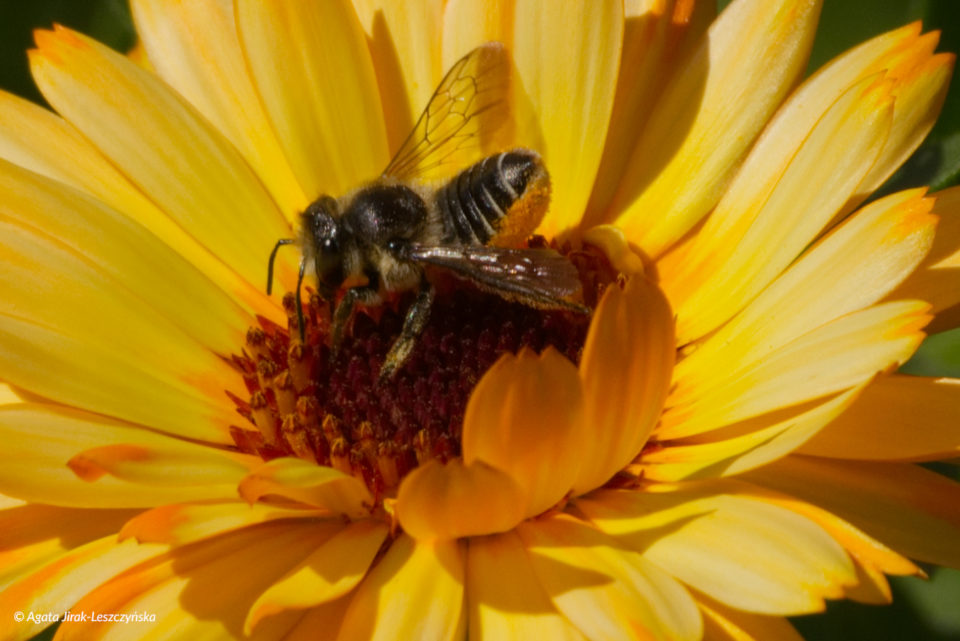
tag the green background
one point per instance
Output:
(922, 610)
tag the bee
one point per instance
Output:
(381, 237)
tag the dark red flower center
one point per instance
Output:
(333, 409)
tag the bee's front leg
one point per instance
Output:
(413, 325)
(367, 294)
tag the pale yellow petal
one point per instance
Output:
(656, 35)
(36, 535)
(625, 371)
(897, 418)
(36, 139)
(722, 623)
(194, 47)
(332, 570)
(49, 227)
(570, 89)
(173, 463)
(937, 279)
(309, 483)
(404, 40)
(771, 212)
(196, 591)
(855, 266)
(742, 552)
(314, 74)
(504, 598)
(606, 591)
(912, 510)
(57, 586)
(41, 474)
(414, 592)
(747, 445)
(525, 418)
(448, 501)
(163, 146)
(843, 353)
(701, 126)
(95, 377)
(182, 523)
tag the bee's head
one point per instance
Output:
(323, 241)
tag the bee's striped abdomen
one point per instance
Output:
(480, 203)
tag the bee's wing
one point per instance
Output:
(467, 114)
(536, 277)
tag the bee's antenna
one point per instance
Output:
(303, 264)
(273, 256)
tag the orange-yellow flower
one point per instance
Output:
(727, 446)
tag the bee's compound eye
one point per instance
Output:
(396, 245)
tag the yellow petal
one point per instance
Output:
(179, 523)
(40, 474)
(919, 93)
(57, 586)
(308, 483)
(748, 445)
(745, 553)
(36, 139)
(525, 418)
(454, 500)
(42, 278)
(194, 47)
(35, 535)
(606, 591)
(173, 464)
(8, 395)
(504, 598)
(332, 570)
(771, 212)
(326, 617)
(414, 592)
(313, 71)
(613, 243)
(912, 510)
(701, 126)
(55, 221)
(625, 370)
(163, 145)
(196, 591)
(97, 378)
(722, 623)
(882, 423)
(570, 89)
(404, 41)
(937, 280)
(841, 354)
(855, 266)
(656, 34)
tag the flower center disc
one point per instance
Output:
(333, 409)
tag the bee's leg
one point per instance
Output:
(367, 295)
(413, 325)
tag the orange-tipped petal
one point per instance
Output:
(681, 165)
(164, 146)
(194, 47)
(906, 507)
